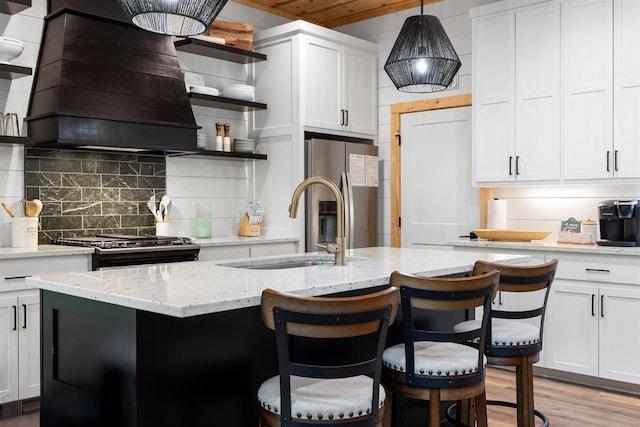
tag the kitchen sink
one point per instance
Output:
(284, 263)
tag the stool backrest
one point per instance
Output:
(520, 278)
(325, 320)
(444, 294)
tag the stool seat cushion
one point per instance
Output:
(505, 332)
(322, 399)
(434, 358)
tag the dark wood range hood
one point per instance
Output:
(101, 82)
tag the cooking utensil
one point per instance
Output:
(165, 205)
(19, 208)
(259, 213)
(38, 206)
(8, 209)
(151, 204)
(31, 208)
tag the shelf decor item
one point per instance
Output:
(10, 49)
(423, 58)
(173, 17)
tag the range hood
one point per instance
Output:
(103, 83)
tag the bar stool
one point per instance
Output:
(438, 365)
(337, 388)
(513, 340)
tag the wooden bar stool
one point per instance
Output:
(343, 388)
(438, 365)
(515, 337)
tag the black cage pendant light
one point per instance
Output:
(173, 17)
(423, 58)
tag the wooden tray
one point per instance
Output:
(511, 235)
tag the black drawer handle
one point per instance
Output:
(15, 317)
(517, 165)
(597, 270)
(615, 160)
(601, 305)
(510, 168)
(17, 277)
(608, 161)
(24, 317)
(593, 304)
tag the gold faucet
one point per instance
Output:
(337, 248)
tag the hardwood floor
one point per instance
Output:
(566, 405)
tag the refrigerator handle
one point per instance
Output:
(349, 209)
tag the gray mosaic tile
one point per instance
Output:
(120, 181)
(101, 221)
(43, 179)
(61, 222)
(100, 194)
(137, 220)
(82, 208)
(120, 208)
(81, 180)
(48, 194)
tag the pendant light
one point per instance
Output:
(173, 17)
(423, 58)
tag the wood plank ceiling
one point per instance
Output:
(332, 13)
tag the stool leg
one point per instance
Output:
(388, 409)
(434, 407)
(481, 410)
(465, 411)
(524, 389)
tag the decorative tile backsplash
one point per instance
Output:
(85, 193)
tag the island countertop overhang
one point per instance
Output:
(196, 288)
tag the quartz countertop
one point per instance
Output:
(546, 246)
(195, 288)
(43, 251)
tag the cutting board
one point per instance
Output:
(511, 235)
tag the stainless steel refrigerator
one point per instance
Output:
(354, 168)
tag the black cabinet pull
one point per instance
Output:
(517, 165)
(597, 270)
(17, 277)
(601, 305)
(24, 317)
(510, 161)
(15, 317)
(500, 298)
(615, 160)
(346, 120)
(608, 165)
(593, 304)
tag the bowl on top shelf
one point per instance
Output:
(10, 49)
(510, 235)
(243, 145)
(239, 91)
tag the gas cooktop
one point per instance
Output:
(122, 241)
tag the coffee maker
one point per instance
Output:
(619, 222)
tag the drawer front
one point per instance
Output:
(599, 268)
(14, 271)
(267, 249)
(217, 253)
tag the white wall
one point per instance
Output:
(14, 98)
(384, 30)
(224, 185)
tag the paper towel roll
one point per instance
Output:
(497, 214)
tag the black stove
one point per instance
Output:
(117, 250)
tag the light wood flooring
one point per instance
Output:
(566, 405)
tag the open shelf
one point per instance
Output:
(226, 155)
(25, 140)
(220, 51)
(8, 71)
(11, 7)
(224, 103)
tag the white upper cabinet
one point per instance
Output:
(626, 89)
(587, 30)
(516, 89)
(339, 87)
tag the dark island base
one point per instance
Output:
(106, 365)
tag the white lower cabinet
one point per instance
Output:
(20, 345)
(218, 253)
(593, 321)
(20, 321)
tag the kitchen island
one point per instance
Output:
(184, 344)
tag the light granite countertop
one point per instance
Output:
(546, 246)
(43, 251)
(194, 288)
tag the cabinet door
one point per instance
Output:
(626, 86)
(587, 88)
(29, 345)
(571, 330)
(537, 98)
(360, 91)
(493, 98)
(8, 349)
(619, 334)
(322, 62)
